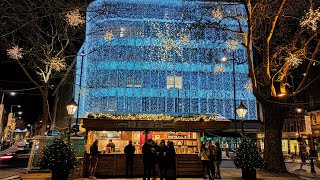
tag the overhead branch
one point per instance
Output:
(30, 78)
(308, 70)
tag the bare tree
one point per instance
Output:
(284, 38)
(42, 37)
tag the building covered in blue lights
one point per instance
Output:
(146, 56)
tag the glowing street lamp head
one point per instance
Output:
(13, 93)
(72, 107)
(224, 59)
(20, 112)
(299, 110)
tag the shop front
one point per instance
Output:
(185, 135)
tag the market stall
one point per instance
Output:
(184, 133)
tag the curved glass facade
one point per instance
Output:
(141, 56)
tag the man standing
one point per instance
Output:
(162, 159)
(110, 146)
(129, 151)
(147, 159)
(93, 158)
(218, 160)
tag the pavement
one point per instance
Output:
(297, 170)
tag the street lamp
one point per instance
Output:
(72, 106)
(242, 111)
(19, 106)
(19, 113)
(13, 93)
(82, 54)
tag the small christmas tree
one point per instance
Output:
(247, 157)
(59, 157)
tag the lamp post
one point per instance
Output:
(19, 113)
(242, 111)
(234, 98)
(19, 106)
(312, 153)
(82, 54)
(300, 140)
(72, 106)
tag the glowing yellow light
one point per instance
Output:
(108, 35)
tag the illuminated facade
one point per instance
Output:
(142, 57)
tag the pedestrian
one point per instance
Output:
(211, 149)
(147, 159)
(162, 159)
(93, 158)
(154, 152)
(129, 151)
(111, 146)
(218, 160)
(171, 162)
(204, 156)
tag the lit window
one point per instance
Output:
(174, 82)
(314, 119)
(122, 32)
(131, 82)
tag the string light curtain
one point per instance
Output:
(143, 57)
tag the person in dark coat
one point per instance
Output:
(147, 159)
(212, 158)
(93, 158)
(129, 151)
(154, 151)
(171, 162)
(218, 160)
(162, 159)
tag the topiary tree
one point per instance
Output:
(59, 157)
(248, 158)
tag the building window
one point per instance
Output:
(133, 82)
(313, 119)
(174, 82)
(291, 128)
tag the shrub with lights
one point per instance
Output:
(248, 158)
(59, 157)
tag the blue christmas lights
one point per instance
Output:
(141, 57)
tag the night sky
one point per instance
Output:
(13, 78)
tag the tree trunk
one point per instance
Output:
(45, 109)
(274, 118)
(249, 174)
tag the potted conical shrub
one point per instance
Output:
(59, 157)
(248, 158)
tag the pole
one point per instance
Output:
(80, 83)
(69, 129)
(2, 97)
(242, 131)
(312, 154)
(234, 98)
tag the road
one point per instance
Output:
(6, 171)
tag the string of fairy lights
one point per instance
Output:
(154, 63)
(135, 51)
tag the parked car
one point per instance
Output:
(17, 157)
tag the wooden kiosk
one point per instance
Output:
(184, 134)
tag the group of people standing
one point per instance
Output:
(162, 155)
(211, 157)
(165, 157)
